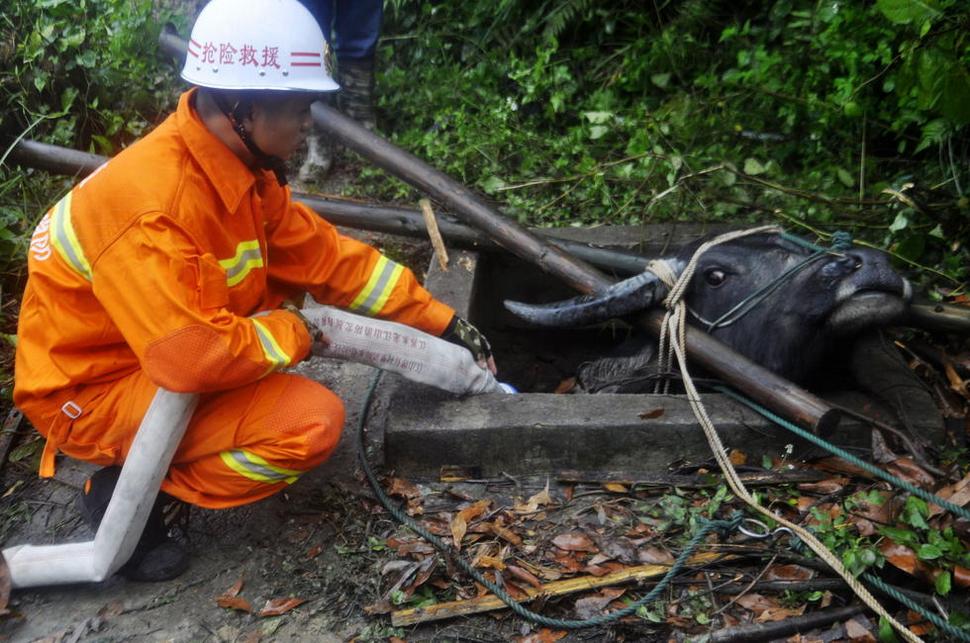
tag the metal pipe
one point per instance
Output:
(55, 159)
(148, 459)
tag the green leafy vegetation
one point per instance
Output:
(820, 115)
(84, 74)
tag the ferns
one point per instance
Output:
(559, 17)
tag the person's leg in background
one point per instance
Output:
(352, 27)
(356, 29)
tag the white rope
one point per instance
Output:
(673, 342)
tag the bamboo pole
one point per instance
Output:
(490, 602)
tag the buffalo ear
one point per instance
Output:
(637, 293)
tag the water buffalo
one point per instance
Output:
(769, 295)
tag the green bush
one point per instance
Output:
(579, 112)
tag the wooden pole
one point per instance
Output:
(491, 602)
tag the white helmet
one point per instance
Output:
(257, 44)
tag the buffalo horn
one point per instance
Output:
(622, 298)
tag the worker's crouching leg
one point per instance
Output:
(249, 443)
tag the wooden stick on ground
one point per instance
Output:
(490, 602)
(432, 224)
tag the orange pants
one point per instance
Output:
(241, 445)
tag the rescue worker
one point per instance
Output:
(168, 267)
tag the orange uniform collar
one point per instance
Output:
(230, 177)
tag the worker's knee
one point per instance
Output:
(305, 424)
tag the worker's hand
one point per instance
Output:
(318, 341)
(462, 333)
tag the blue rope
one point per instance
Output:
(845, 455)
(898, 596)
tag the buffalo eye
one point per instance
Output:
(715, 277)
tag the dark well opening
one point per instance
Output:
(534, 360)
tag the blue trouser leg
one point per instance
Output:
(352, 27)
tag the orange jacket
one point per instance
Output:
(173, 258)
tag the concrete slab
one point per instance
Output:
(490, 435)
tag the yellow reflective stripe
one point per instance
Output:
(65, 240)
(250, 465)
(274, 354)
(248, 256)
(379, 287)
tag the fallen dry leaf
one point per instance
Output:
(396, 639)
(652, 414)
(234, 603)
(545, 635)
(789, 572)
(591, 606)
(532, 504)
(905, 559)
(524, 575)
(314, 551)
(615, 487)
(958, 493)
(824, 487)
(738, 457)
(858, 632)
(489, 562)
(505, 533)
(961, 576)
(574, 541)
(655, 555)
(279, 606)
(403, 488)
(459, 524)
(911, 472)
(779, 614)
(757, 603)
(235, 589)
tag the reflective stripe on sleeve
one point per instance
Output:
(248, 256)
(275, 355)
(250, 465)
(379, 287)
(65, 239)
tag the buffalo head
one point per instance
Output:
(759, 295)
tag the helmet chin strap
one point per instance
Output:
(263, 160)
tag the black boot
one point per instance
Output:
(356, 97)
(157, 557)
